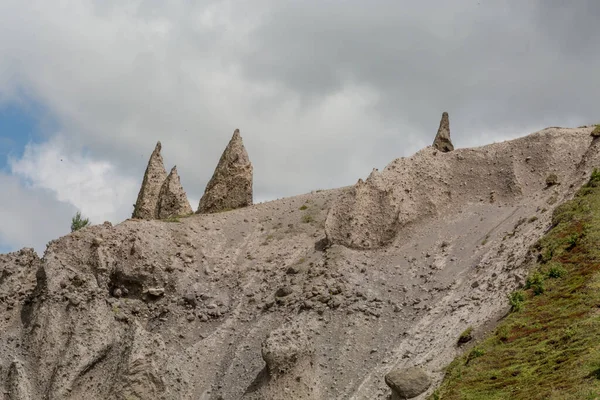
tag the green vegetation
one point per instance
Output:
(596, 131)
(466, 336)
(78, 222)
(304, 207)
(548, 347)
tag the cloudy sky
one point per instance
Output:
(322, 91)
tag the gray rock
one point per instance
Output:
(231, 184)
(408, 383)
(442, 140)
(154, 177)
(284, 348)
(156, 292)
(172, 199)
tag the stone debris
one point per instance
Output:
(147, 201)
(442, 140)
(231, 184)
(172, 200)
(284, 348)
(407, 383)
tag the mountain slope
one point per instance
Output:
(548, 348)
(312, 297)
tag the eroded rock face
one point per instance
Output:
(442, 140)
(147, 201)
(231, 184)
(172, 200)
(284, 348)
(407, 383)
(365, 217)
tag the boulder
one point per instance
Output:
(284, 348)
(442, 140)
(407, 383)
(231, 184)
(146, 206)
(172, 199)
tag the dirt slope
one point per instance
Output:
(331, 288)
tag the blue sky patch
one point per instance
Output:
(19, 125)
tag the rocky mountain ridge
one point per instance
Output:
(317, 296)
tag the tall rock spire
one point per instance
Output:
(231, 184)
(147, 201)
(172, 200)
(442, 140)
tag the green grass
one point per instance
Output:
(548, 347)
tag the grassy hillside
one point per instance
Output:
(549, 345)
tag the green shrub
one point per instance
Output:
(535, 282)
(78, 222)
(304, 207)
(556, 271)
(516, 300)
(503, 333)
(475, 353)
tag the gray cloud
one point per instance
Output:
(322, 91)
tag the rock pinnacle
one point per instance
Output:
(172, 199)
(442, 140)
(155, 175)
(231, 184)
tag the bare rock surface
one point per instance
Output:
(146, 206)
(172, 199)
(189, 310)
(442, 140)
(231, 184)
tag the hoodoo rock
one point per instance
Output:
(172, 200)
(147, 201)
(231, 184)
(442, 140)
(365, 216)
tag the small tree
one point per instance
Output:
(78, 222)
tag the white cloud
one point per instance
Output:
(31, 217)
(93, 186)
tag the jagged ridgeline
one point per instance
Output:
(357, 293)
(163, 197)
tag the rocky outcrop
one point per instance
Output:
(442, 140)
(172, 200)
(365, 217)
(284, 348)
(147, 310)
(407, 383)
(231, 184)
(147, 201)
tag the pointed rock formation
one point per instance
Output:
(231, 184)
(147, 201)
(172, 200)
(442, 140)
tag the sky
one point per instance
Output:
(323, 91)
